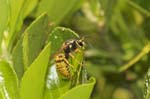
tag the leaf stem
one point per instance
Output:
(138, 7)
(144, 51)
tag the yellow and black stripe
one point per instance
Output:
(62, 65)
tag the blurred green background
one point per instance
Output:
(116, 34)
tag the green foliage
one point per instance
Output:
(17, 56)
(80, 92)
(34, 77)
(8, 82)
(15, 20)
(62, 8)
(117, 48)
(36, 32)
(28, 6)
(145, 50)
(24, 53)
(3, 18)
(30, 66)
(18, 10)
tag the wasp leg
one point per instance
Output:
(72, 67)
(77, 50)
(71, 55)
(75, 59)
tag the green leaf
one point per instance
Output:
(17, 58)
(34, 39)
(80, 92)
(15, 20)
(59, 35)
(32, 84)
(36, 34)
(18, 11)
(3, 18)
(8, 82)
(58, 9)
(28, 6)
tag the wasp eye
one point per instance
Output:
(81, 43)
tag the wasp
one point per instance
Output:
(62, 59)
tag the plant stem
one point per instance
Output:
(144, 51)
(138, 7)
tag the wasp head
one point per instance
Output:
(81, 42)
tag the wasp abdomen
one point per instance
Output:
(62, 66)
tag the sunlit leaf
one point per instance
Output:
(36, 35)
(58, 9)
(8, 82)
(28, 7)
(80, 92)
(34, 39)
(4, 9)
(15, 20)
(18, 11)
(32, 84)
